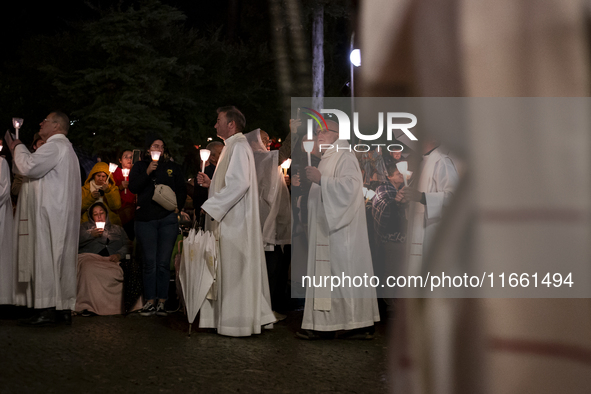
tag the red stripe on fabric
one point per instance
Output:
(549, 349)
(565, 215)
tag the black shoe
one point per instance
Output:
(64, 317)
(148, 309)
(366, 333)
(45, 317)
(312, 335)
(87, 313)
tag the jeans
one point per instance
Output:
(157, 238)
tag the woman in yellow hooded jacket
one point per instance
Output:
(100, 187)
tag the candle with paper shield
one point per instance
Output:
(17, 123)
(112, 167)
(285, 165)
(403, 168)
(155, 155)
(125, 172)
(100, 225)
(309, 147)
(204, 153)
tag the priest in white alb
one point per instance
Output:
(6, 266)
(338, 244)
(48, 218)
(436, 186)
(241, 304)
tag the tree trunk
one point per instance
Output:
(318, 57)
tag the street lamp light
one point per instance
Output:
(355, 57)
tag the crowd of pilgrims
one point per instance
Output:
(126, 263)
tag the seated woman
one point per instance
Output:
(100, 278)
(100, 187)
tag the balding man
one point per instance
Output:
(215, 147)
(49, 219)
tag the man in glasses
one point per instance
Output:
(338, 245)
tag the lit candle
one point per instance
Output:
(285, 165)
(125, 172)
(100, 225)
(17, 123)
(204, 153)
(403, 168)
(155, 155)
(112, 167)
(309, 147)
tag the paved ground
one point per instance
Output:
(112, 354)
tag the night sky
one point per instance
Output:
(27, 92)
(26, 18)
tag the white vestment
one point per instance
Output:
(523, 204)
(439, 179)
(274, 197)
(243, 302)
(6, 266)
(53, 212)
(336, 213)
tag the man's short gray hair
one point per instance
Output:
(63, 120)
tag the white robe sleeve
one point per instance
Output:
(237, 183)
(445, 181)
(342, 194)
(4, 182)
(36, 165)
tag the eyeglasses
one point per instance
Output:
(154, 146)
(323, 131)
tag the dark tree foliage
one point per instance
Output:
(139, 70)
(123, 68)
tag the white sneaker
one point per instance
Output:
(160, 310)
(148, 309)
